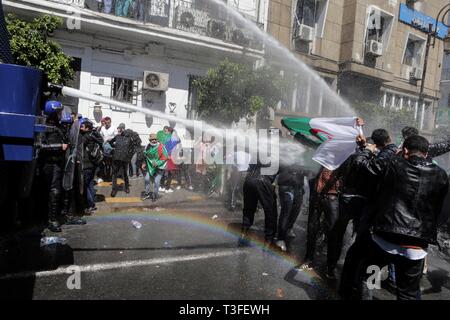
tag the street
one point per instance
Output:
(185, 249)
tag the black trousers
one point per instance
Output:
(183, 171)
(52, 174)
(291, 198)
(364, 253)
(260, 189)
(328, 205)
(119, 166)
(350, 208)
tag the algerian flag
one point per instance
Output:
(334, 137)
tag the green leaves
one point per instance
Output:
(234, 91)
(31, 47)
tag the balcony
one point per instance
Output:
(202, 17)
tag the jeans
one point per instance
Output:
(291, 199)
(350, 208)
(88, 176)
(134, 168)
(156, 179)
(364, 253)
(107, 6)
(117, 167)
(122, 7)
(260, 189)
(328, 205)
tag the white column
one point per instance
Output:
(416, 107)
(308, 96)
(422, 117)
(319, 112)
(401, 102)
(384, 99)
(294, 98)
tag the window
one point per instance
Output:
(414, 51)
(124, 90)
(311, 13)
(378, 28)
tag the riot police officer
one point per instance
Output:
(51, 161)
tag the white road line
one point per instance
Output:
(122, 264)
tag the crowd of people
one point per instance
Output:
(392, 194)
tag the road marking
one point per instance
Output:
(123, 200)
(122, 264)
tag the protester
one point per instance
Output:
(236, 176)
(92, 157)
(403, 219)
(259, 188)
(291, 179)
(122, 145)
(171, 168)
(156, 158)
(323, 200)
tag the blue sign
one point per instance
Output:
(421, 21)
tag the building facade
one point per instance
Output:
(367, 50)
(145, 52)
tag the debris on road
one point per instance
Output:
(280, 293)
(46, 241)
(136, 224)
(265, 274)
(214, 217)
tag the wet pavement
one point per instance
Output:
(186, 249)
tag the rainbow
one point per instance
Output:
(184, 218)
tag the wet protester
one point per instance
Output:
(122, 146)
(156, 158)
(291, 179)
(402, 220)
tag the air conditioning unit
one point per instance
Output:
(188, 18)
(217, 29)
(304, 33)
(239, 37)
(375, 48)
(155, 81)
(416, 73)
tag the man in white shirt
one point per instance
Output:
(107, 131)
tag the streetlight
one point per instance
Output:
(432, 35)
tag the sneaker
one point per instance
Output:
(179, 187)
(305, 266)
(282, 245)
(99, 180)
(146, 196)
(169, 190)
(127, 189)
(161, 189)
(191, 188)
(54, 226)
(73, 221)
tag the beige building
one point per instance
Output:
(368, 50)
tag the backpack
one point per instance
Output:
(135, 142)
(95, 152)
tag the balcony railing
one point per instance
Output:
(446, 74)
(202, 17)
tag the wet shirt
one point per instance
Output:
(327, 182)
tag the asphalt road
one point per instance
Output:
(185, 249)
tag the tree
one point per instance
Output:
(234, 91)
(31, 47)
(393, 120)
